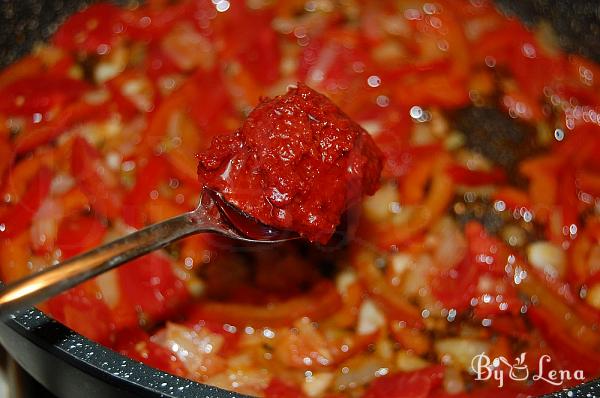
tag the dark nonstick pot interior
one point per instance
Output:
(68, 364)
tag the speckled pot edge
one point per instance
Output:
(99, 362)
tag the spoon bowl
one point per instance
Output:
(213, 215)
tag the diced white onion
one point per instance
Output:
(317, 383)
(547, 257)
(370, 318)
(460, 351)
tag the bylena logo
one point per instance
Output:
(500, 368)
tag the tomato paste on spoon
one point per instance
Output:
(297, 163)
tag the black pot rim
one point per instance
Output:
(126, 374)
(100, 362)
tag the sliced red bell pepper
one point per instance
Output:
(331, 57)
(575, 349)
(394, 304)
(434, 90)
(147, 179)
(39, 94)
(211, 103)
(124, 105)
(150, 283)
(250, 38)
(513, 198)
(465, 176)
(136, 344)
(416, 384)
(455, 288)
(71, 115)
(19, 217)
(6, 157)
(28, 66)
(158, 64)
(150, 23)
(105, 198)
(83, 310)
(569, 206)
(88, 30)
(77, 234)
(203, 97)
(322, 301)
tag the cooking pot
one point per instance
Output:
(68, 364)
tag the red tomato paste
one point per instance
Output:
(297, 163)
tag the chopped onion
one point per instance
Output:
(593, 296)
(408, 362)
(316, 384)
(547, 257)
(370, 318)
(196, 349)
(460, 351)
(109, 287)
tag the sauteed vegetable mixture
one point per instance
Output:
(483, 238)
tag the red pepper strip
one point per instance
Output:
(278, 388)
(333, 54)
(17, 219)
(483, 247)
(161, 117)
(425, 213)
(90, 30)
(569, 203)
(416, 384)
(147, 179)
(6, 158)
(39, 94)
(452, 30)
(568, 319)
(157, 64)
(14, 256)
(513, 198)
(25, 67)
(521, 105)
(575, 345)
(510, 325)
(78, 234)
(105, 199)
(464, 176)
(150, 284)
(136, 344)
(125, 106)
(533, 73)
(211, 103)
(438, 66)
(413, 187)
(249, 36)
(83, 309)
(392, 302)
(589, 182)
(358, 343)
(455, 288)
(579, 251)
(500, 43)
(151, 23)
(203, 97)
(435, 90)
(73, 114)
(322, 301)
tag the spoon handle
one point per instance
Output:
(55, 279)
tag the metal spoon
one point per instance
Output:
(213, 214)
